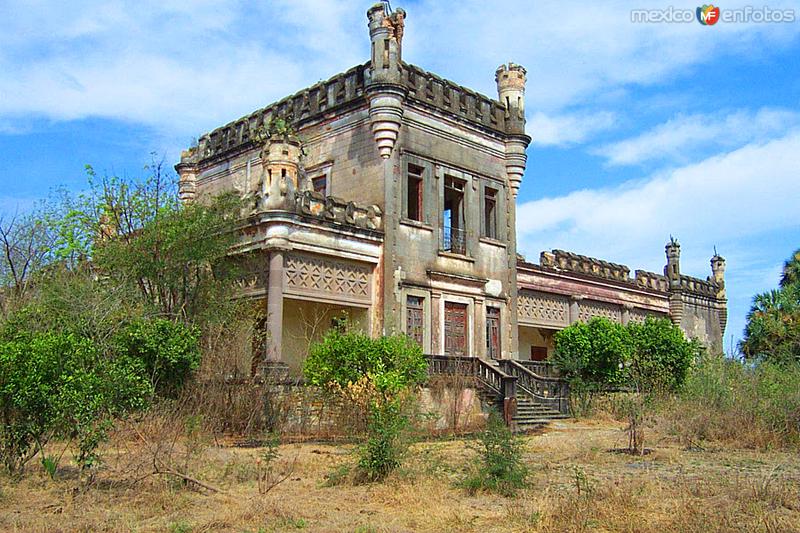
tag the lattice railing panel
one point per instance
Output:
(543, 308)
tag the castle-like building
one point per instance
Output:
(390, 193)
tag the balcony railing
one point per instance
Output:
(454, 240)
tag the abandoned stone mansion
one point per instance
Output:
(394, 199)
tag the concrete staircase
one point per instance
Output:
(532, 415)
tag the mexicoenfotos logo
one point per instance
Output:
(707, 15)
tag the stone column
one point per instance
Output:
(626, 313)
(274, 364)
(436, 302)
(479, 345)
(573, 308)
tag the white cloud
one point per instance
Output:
(182, 68)
(186, 67)
(750, 190)
(566, 129)
(578, 52)
(686, 137)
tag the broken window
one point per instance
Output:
(414, 187)
(415, 318)
(453, 234)
(320, 184)
(490, 213)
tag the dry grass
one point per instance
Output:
(578, 485)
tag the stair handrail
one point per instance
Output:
(492, 377)
(544, 390)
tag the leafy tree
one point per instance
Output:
(345, 358)
(791, 270)
(167, 351)
(376, 375)
(593, 353)
(59, 386)
(662, 356)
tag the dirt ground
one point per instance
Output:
(578, 483)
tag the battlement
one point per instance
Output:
(453, 99)
(304, 105)
(344, 89)
(581, 264)
(329, 209)
(699, 287)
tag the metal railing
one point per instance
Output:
(454, 240)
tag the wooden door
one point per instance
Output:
(455, 328)
(415, 319)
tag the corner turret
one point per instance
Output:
(510, 80)
(384, 84)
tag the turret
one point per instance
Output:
(187, 172)
(673, 268)
(510, 80)
(718, 273)
(383, 86)
(280, 159)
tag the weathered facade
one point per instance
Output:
(393, 199)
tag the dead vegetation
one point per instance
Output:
(576, 485)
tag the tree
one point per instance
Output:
(168, 352)
(25, 244)
(593, 353)
(773, 326)
(55, 385)
(661, 356)
(791, 271)
(376, 375)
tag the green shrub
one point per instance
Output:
(749, 405)
(661, 355)
(344, 358)
(595, 352)
(376, 376)
(386, 440)
(499, 467)
(59, 386)
(167, 351)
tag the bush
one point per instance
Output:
(595, 352)
(345, 358)
(386, 443)
(724, 400)
(167, 351)
(376, 375)
(58, 386)
(661, 355)
(498, 466)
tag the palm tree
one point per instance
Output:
(791, 270)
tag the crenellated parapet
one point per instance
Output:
(309, 104)
(452, 99)
(581, 264)
(651, 281)
(698, 287)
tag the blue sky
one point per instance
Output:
(640, 130)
